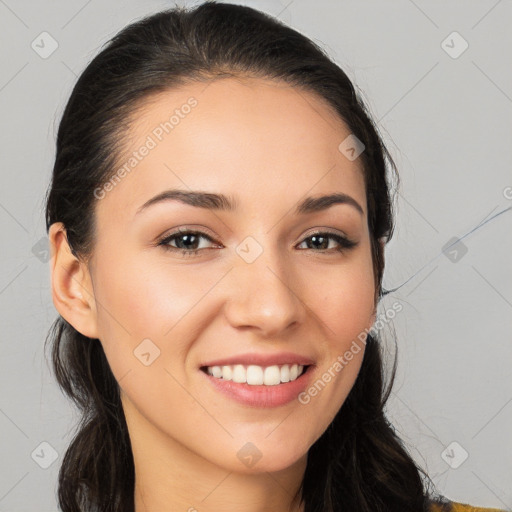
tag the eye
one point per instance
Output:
(321, 239)
(186, 240)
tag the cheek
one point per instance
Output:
(138, 299)
(346, 304)
(345, 310)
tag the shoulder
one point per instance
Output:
(445, 505)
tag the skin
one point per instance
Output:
(269, 145)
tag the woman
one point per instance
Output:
(217, 218)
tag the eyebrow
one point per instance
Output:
(213, 201)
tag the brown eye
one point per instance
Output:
(321, 240)
(186, 242)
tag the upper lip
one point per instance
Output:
(278, 358)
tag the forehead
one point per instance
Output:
(253, 138)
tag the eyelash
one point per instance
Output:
(345, 243)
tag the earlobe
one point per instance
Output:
(72, 291)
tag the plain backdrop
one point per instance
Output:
(437, 79)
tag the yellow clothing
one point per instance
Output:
(452, 506)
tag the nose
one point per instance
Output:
(263, 296)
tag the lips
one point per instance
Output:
(265, 388)
(261, 396)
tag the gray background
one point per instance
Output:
(447, 123)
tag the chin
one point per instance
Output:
(251, 460)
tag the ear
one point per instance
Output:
(72, 291)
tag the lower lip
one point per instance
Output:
(262, 396)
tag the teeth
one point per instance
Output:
(254, 375)
(239, 374)
(227, 372)
(272, 376)
(257, 375)
(217, 371)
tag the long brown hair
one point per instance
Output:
(359, 464)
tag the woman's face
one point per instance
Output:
(261, 291)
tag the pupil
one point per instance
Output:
(316, 237)
(185, 238)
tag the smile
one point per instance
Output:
(255, 375)
(259, 386)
